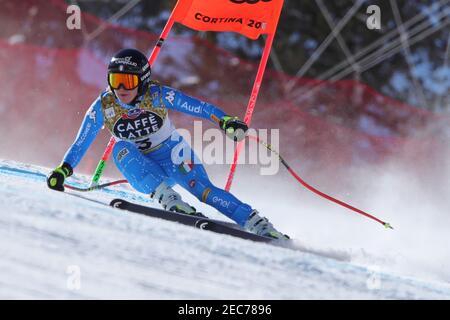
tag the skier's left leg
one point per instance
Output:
(193, 178)
(146, 176)
(191, 175)
(196, 181)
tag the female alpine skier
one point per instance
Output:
(149, 152)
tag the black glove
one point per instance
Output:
(234, 128)
(55, 179)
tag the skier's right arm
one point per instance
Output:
(90, 127)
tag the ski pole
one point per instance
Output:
(306, 185)
(96, 187)
(102, 163)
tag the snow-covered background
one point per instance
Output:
(58, 245)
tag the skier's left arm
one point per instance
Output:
(176, 100)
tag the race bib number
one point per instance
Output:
(144, 144)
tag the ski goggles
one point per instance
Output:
(128, 80)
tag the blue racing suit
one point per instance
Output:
(149, 150)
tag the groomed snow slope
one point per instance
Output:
(47, 237)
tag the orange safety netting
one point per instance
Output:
(50, 75)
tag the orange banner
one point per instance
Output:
(250, 18)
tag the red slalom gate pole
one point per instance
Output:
(251, 105)
(107, 153)
(320, 193)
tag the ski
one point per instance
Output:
(189, 220)
(203, 223)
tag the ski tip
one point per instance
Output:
(116, 203)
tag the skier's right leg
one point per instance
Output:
(142, 173)
(146, 176)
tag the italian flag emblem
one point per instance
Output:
(186, 166)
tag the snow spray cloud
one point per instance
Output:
(415, 199)
(409, 188)
(213, 147)
(413, 188)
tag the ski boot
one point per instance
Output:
(262, 227)
(171, 201)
